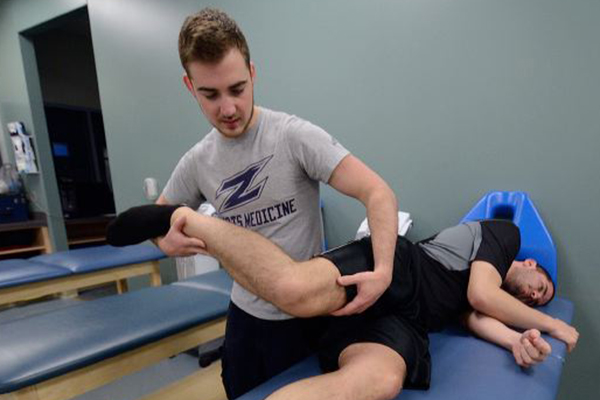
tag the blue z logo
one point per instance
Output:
(242, 187)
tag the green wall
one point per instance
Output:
(445, 99)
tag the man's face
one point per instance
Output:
(529, 283)
(225, 92)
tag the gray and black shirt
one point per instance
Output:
(445, 263)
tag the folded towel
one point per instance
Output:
(404, 224)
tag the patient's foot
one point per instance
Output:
(139, 224)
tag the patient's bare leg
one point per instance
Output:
(368, 371)
(302, 289)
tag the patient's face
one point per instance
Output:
(528, 283)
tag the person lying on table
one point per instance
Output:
(466, 272)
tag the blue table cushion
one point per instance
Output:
(45, 346)
(464, 368)
(90, 259)
(218, 281)
(18, 272)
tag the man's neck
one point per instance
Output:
(253, 119)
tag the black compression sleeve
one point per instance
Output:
(139, 224)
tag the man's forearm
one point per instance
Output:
(491, 329)
(382, 215)
(353, 178)
(528, 348)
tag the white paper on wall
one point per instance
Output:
(23, 147)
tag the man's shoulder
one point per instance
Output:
(197, 152)
(204, 144)
(286, 121)
(274, 114)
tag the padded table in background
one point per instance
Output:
(37, 349)
(17, 272)
(67, 271)
(101, 257)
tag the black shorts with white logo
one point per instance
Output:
(393, 321)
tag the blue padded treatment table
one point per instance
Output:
(73, 346)
(465, 368)
(18, 272)
(74, 269)
(91, 259)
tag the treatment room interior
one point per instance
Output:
(445, 99)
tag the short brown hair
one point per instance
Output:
(208, 35)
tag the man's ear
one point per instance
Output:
(530, 263)
(252, 71)
(188, 84)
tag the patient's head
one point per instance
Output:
(529, 282)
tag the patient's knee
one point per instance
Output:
(373, 366)
(374, 384)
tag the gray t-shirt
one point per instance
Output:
(455, 247)
(267, 181)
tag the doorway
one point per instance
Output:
(71, 101)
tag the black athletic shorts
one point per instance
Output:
(393, 321)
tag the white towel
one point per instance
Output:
(200, 263)
(404, 224)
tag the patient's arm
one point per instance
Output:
(528, 348)
(486, 296)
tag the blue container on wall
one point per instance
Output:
(13, 208)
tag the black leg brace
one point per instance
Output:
(139, 224)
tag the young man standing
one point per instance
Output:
(261, 170)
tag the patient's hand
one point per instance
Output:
(178, 244)
(530, 348)
(565, 332)
(370, 286)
